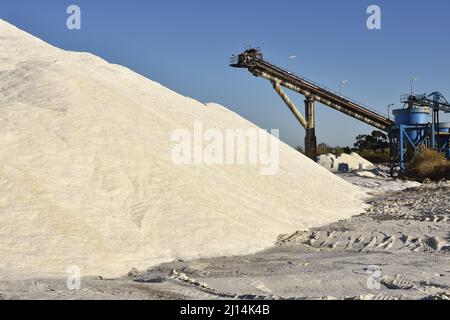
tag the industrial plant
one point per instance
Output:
(138, 163)
(416, 126)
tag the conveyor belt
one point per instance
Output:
(252, 60)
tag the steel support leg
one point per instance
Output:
(310, 133)
(402, 149)
(290, 104)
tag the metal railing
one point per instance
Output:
(324, 88)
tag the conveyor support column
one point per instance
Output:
(310, 134)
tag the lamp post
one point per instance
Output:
(290, 58)
(412, 82)
(389, 110)
(340, 86)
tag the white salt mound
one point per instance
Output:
(351, 161)
(328, 161)
(355, 161)
(86, 176)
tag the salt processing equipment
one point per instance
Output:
(416, 125)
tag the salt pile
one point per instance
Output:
(355, 161)
(328, 161)
(366, 174)
(86, 177)
(344, 162)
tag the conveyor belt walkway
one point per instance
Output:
(252, 60)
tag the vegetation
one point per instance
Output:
(377, 157)
(428, 164)
(377, 141)
(323, 148)
(373, 147)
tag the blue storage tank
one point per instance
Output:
(444, 127)
(412, 116)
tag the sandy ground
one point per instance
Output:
(398, 249)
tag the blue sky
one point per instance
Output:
(186, 46)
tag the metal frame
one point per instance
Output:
(252, 59)
(401, 143)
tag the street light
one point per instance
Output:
(290, 58)
(389, 110)
(340, 87)
(412, 81)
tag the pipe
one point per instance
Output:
(290, 104)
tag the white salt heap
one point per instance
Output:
(351, 161)
(86, 177)
(328, 161)
(355, 161)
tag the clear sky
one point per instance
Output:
(186, 45)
